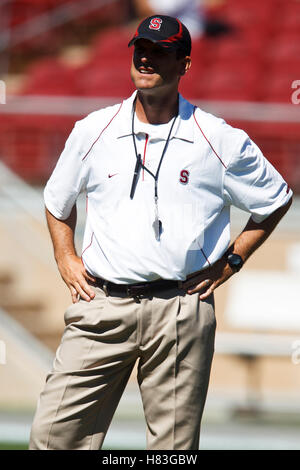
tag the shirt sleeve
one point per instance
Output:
(252, 184)
(68, 178)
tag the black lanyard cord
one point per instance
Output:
(139, 164)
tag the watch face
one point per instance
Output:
(235, 261)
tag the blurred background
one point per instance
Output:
(60, 60)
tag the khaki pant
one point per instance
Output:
(172, 337)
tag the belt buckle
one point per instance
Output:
(131, 291)
(136, 291)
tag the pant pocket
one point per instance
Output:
(87, 312)
(196, 325)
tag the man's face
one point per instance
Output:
(155, 67)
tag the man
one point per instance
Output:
(160, 176)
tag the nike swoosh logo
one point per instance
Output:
(114, 174)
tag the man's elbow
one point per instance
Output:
(281, 211)
(286, 206)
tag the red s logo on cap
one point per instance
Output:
(155, 24)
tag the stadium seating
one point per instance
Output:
(96, 81)
(30, 144)
(257, 61)
(50, 77)
(67, 20)
(265, 37)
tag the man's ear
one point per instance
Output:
(186, 65)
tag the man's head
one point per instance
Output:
(162, 47)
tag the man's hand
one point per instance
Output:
(70, 266)
(209, 279)
(75, 276)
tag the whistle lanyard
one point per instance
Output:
(157, 225)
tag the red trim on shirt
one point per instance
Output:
(102, 132)
(205, 256)
(87, 247)
(208, 141)
(144, 157)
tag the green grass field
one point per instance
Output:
(13, 446)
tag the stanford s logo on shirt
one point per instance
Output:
(184, 176)
(155, 24)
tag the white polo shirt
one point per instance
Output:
(208, 166)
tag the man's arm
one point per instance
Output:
(251, 238)
(69, 264)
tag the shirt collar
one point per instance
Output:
(183, 128)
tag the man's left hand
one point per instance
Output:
(209, 279)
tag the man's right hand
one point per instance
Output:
(70, 266)
(75, 276)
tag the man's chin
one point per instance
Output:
(145, 83)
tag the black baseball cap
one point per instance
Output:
(166, 31)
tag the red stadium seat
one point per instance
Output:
(249, 13)
(202, 50)
(111, 43)
(277, 87)
(224, 82)
(288, 18)
(283, 48)
(191, 85)
(111, 81)
(31, 144)
(50, 77)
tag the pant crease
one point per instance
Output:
(61, 400)
(107, 398)
(175, 373)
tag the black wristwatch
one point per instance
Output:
(235, 261)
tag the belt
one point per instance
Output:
(139, 289)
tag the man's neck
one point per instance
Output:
(156, 110)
